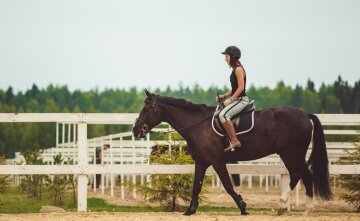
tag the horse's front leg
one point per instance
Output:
(200, 170)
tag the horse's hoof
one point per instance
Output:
(244, 213)
(192, 208)
(308, 211)
(282, 211)
(242, 207)
(189, 213)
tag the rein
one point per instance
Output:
(192, 125)
(145, 127)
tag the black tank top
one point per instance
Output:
(234, 83)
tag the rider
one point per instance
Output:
(236, 97)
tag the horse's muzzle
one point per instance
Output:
(139, 132)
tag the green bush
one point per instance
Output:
(33, 184)
(59, 186)
(169, 189)
(351, 183)
(4, 179)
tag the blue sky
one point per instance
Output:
(109, 44)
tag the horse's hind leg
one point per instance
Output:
(308, 183)
(285, 195)
(295, 168)
(221, 170)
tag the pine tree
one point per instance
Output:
(33, 184)
(169, 189)
(351, 183)
(58, 184)
(4, 179)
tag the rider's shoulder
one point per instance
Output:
(239, 70)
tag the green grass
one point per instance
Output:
(16, 201)
(97, 204)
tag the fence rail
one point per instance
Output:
(156, 169)
(83, 169)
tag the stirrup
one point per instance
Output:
(231, 148)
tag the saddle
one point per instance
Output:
(243, 122)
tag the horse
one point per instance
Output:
(285, 131)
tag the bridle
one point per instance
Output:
(145, 127)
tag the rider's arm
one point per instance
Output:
(227, 94)
(222, 96)
(239, 72)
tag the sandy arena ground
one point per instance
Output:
(256, 198)
(107, 216)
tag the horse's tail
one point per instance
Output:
(318, 161)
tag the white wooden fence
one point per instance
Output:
(83, 169)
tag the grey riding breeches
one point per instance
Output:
(235, 107)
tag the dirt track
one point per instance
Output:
(256, 198)
(175, 216)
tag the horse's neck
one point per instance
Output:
(181, 118)
(186, 122)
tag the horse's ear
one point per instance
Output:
(147, 92)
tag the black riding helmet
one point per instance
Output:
(233, 51)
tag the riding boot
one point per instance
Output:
(230, 130)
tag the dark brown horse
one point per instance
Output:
(285, 131)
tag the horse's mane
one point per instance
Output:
(182, 103)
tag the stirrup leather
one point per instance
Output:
(232, 148)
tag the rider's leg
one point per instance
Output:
(225, 117)
(230, 130)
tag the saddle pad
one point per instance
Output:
(245, 119)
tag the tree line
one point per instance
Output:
(339, 97)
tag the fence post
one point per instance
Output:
(82, 161)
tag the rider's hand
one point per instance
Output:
(220, 98)
(227, 102)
